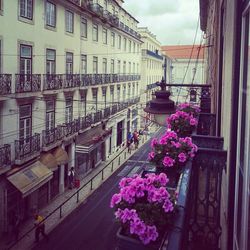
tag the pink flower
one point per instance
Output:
(168, 161)
(154, 142)
(151, 155)
(116, 198)
(193, 122)
(182, 157)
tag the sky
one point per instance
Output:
(174, 22)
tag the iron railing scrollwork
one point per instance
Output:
(52, 81)
(26, 83)
(5, 84)
(5, 155)
(52, 136)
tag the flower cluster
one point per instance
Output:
(189, 108)
(182, 123)
(171, 151)
(143, 205)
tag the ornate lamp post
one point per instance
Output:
(161, 107)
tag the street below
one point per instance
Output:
(92, 225)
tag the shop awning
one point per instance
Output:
(30, 179)
(61, 156)
(49, 161)
(91, 139)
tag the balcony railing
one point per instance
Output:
(52, 82)
(52, 136)
(96, 8)
(5, 84)
(26, 83)
(71, 81)
(5, 155)
(86, 80)
(153, 54)
(71, 128)
(98, 78)
(27, 147)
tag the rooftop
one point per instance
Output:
(183, 51)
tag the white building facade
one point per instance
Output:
(152, 69)
(69, 79)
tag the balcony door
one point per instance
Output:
(50, 61)
(25, 123)
(25, 67)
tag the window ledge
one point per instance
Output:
(26, 20)
(69, 34)
(50, 28)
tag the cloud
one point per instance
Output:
(173, 22)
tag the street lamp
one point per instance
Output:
(161, 107)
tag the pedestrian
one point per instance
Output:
(40, 227)
(129, 142)
(71, 175)
(136, 139)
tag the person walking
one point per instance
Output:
(136, 139)
(71, 175)
(40, 227)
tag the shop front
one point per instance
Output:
(91, 149)
(28, 189)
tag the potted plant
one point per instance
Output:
(189, 108)
(182, 123)
(144, 209)
(170, 153)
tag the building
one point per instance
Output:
(152, 68)
(69, 84)
(226, 29)
(187, 67)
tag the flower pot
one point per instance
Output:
(172, 173)
(127, 242)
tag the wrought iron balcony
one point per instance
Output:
(26, 83)
(121, 25)
(71, 80)
(52, 81)
(96, 8)
(5, 84)
(5, 155)
(50, 137)
(86, 121)
(152, 54)
(98, 78)
(126, 28)
(107, 78)
(86, 80)
(114, 20)
(97, 117)
(106, 112)
(77, 2)
(114, 109)
(71, 128)
(107, 15)
(27, 147)
(115, 78)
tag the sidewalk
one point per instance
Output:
(54, 220)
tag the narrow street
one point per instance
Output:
(92, 226)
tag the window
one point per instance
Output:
(95, 99)
(84, 28)
(68, 110)
(118, 93)
(50, 14)
(134, 47)
(95, 65)
(84, 102)
(113, 39)
(84, 64)
(104, 36)
(119, 42)
(124, 67)
(125, 43)
(124, 92)
(129, 67)
(118, 67)
(133, 89)
(26, 9)
(130, 46)
(112, 93)
(104, 65)
(95, 32)
(50, 115)
(104, 95)
(25, 59)
(105, 4)
(112, 68)
(50, 61)
(133, 68)
(25, 121)
(69, 21)
(129, 90)
(69, 63)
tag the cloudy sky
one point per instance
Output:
(172, 21)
